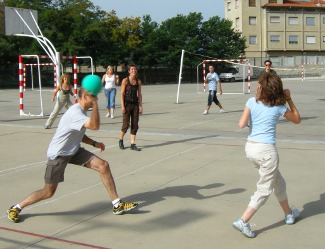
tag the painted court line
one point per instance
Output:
(53, 238)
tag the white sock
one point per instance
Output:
(116, 202)
(18, 206)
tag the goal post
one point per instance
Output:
(237, 69)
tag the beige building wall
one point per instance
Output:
(277, 31)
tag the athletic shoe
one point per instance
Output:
(107, 115)
(13, 214)
(291, 218)
(134, 147)
(124, 207)
(112, 115)
(243, 227)
(205, 112)
(222, 110)
(121, 144)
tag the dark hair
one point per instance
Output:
(271, 91)
(267, 61)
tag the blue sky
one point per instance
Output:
(162, 10)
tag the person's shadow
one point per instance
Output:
(184, 191)
(309, 209)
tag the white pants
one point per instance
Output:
(266, 159)
(60, 103)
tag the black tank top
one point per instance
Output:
(131, 93)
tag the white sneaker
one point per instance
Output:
(107, 115)
(112, 115)
(291, 218)
(205, 112)
(222, 110)
(243, 227)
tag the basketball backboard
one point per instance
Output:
(15, 25)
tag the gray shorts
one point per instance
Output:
(54, 172)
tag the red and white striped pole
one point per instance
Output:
(204, 76)
(21, 93)
(249, 78)
(75, 89)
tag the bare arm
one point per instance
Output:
(140, 96)
(292, 113)
(243, 121)
(123, 85)
(93, 122)
(55, 92)
(219, 87)
(88, 140)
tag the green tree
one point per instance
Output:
(220, 40)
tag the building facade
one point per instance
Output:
(288, 32)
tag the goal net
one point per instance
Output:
(235, 75)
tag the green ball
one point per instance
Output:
(92, 84)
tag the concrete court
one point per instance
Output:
(192, 178)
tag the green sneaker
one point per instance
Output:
(13, 214)
(123, 207)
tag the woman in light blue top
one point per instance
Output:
(261, 114)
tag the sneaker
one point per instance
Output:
(222, 110)
(291, 218)
(243, 227)
(205, 112)
(112, 115)
(123, 207)
(107, 115)
(121, 144)
(47, 127)
(134, 147)
(13, 214)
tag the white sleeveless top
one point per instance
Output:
(110, 82)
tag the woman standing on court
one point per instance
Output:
(110, 80)
(65, 90)
(261, 114)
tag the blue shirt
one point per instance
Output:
(263, 120)
(213, 81)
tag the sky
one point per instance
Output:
(162, 10)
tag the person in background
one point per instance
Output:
(267, 68)
(131, 102)
(65, 90)
(214, 83)
(261, 114)
(65, 148)
(110, 80)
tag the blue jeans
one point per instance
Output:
(110, 97)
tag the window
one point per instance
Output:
(293, 20)
(275, 19)
(310, 21)
(293, 39)
(237, 22)
(275, 38)
(252, 3)
(273, 1)
(252, 20)
(323, 38)
(310, 39)
(236, 4)
(228, 6)
(323, 20)
(252, 39)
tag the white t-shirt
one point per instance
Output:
(69, 134)
(110, 82)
